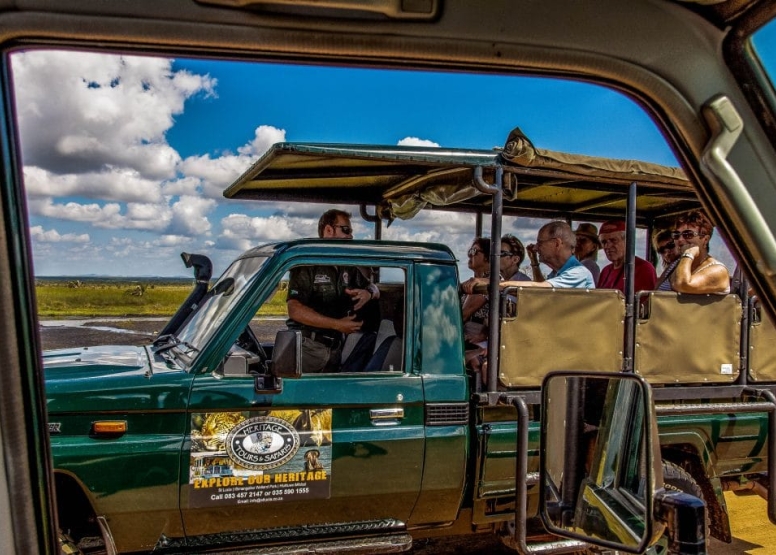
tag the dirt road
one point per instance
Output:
(753, 534)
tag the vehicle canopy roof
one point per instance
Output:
(403, 180)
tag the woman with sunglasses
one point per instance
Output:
(476, 306)
(697, 272)
(664, 244)
(512, 256)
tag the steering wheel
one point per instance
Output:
(248, 341)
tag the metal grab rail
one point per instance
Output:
(768, 405)
(521, 490)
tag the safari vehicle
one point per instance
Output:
(692, 66)
(403, 443)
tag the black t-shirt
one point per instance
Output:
(322, 288)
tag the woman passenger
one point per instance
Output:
(697, 272)
(666, 247)
(512, 256)
(476, 306)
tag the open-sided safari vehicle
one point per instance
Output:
(401, 442)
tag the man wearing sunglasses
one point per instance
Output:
(322, 300)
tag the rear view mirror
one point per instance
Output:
(599, 466)
(287, 354)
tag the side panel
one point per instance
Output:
(131, 479)
(438, 358)
(372, 473)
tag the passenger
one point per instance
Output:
(475, 306)
(322, 300)
(512, 256)
(554, 247)
(669, 252)
(586, 249)
(612, 237)
(697, 272)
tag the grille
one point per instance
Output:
(447, 414)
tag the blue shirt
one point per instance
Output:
(572, 274)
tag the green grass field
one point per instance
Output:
(68, 299)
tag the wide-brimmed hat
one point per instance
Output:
(590, 231)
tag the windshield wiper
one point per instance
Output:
(168, 341)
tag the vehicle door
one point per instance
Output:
(332, 453)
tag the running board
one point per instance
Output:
(390, 543)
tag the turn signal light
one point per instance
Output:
(109, 427)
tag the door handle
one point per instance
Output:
(386, 417)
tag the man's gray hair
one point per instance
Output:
(561, 230)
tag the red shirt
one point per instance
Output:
(645, 278)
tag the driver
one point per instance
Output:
(322, 300)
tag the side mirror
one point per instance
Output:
(287, 354)
(600, 460)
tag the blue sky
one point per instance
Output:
(126, 158)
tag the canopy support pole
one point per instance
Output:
(495, 263)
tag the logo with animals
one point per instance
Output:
(247, 458)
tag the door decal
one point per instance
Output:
(241, 457)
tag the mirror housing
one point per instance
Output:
(600, 460)
(287, 355)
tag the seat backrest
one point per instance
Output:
(762, 338)
(561, 329)
(689, 338)
(388, 357)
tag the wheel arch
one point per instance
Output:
(688, 457)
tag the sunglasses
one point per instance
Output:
(667, 247)
(507, 253)
(346, 229)
(473, 251)
(687, 234)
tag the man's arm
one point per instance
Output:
(305, 315)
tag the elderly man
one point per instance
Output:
(612, 237)
(322, 300)
(554, 247)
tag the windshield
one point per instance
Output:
(230, 290)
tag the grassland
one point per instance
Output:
(74, 298)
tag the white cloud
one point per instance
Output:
(106, 112)
(415, 141)
(264, 137)
(189, 216)
(123, 185)
(39, 235)
(215, 174)
(242, 232)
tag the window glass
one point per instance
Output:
(126, 159)
(351, 297)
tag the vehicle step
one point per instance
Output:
(392, 543)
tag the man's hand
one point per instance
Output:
(533, 254)
(469, 284)
(359, 297)
(349, 324)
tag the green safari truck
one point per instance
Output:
(214, 437)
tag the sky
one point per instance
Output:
(126, 158)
